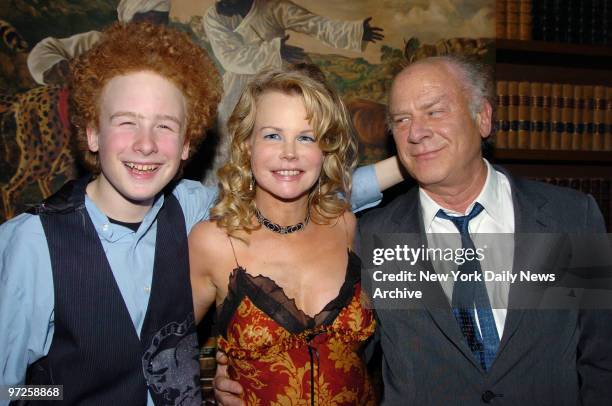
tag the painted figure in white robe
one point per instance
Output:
(248, 36)
(48, 60)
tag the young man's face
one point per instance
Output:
(140, 137)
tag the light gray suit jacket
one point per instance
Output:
(545, 357)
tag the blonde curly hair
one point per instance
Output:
(334, 134)
(134, 47)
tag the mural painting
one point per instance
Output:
(358, 44)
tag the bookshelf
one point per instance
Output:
(564, 64)
(567, 157)
(542, 61)
(504, 45)
(564, 164)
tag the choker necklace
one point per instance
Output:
(277, 228)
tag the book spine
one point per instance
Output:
(597, 21)
(608, 121)
(500, 19)
(586, 121)
(599, 118)
(606, 34)
(590, 9)
(535, 115)
(549, 20)
(538, 19)
(555, 116)
(513, 114)
(577, 133)
(512, 19)
(525, 21)
(578, 20)
(524, 109)
(559, 22)
(570, 21)
(567, 115)
(584, 34)
(546, 115)
(501, 136)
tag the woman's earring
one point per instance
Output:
(319, 187)
(252, 184)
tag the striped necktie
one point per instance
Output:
(471, 296)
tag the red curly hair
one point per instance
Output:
(132, 47)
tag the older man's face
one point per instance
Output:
(437, 139)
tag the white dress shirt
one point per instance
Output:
(492, 230)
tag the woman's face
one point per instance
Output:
(285, 157)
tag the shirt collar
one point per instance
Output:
(488, 198)
(113, 232)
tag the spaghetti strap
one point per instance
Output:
(233, 251)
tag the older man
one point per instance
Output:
(440, 111)
(458, 354)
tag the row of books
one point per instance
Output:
(513, 19)
(599, 188)
(553, 116)
(575, 21)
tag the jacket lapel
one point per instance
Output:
(529, 217)
(408, 219)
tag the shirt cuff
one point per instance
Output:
(366, 191)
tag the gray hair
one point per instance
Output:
(476, 79)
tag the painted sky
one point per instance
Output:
(429, 20)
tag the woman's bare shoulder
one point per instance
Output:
(207, 238)
(349, 219)
(207, 229)
(349, 222)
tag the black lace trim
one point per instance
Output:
(272, 300)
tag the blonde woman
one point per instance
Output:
(276, 256)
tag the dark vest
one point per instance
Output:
(96, 353)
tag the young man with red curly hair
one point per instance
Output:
(95, 292)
